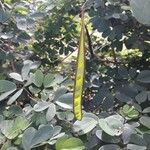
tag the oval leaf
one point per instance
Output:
(38, 78)
(40, 106)
(6, 86)
(110, 147)
(69, 144)
(14, 97)
(65, 101)
(51, 112)
(135, 147)
(145, 121)
(112, 125)
(16, 76)
(144, 76)
(48, 80)
(142, 97)
(141, 10)
(85, 125)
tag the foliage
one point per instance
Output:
(36, 80)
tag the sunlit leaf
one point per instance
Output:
(16, 76)
(14, 97)
(69, 144)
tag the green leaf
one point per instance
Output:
(112, 125)
(21, 9)
(35, 64)
(16, 76)
(15, 110)
(14, 97)
(107, 138)
(146, 110)
(38, 78)
(145, 121)
(129, 112)
(141, 10)
(133, 114)
(68, 82)
(6, 94)
(6, 86)
(135, 147)
(69, 144)
(58, 79)
(12, 128)
(109, 147)
(54, 139)
(48, 80)
(144, 76)
(126, 109)
(65, 101)
(122, 97)
(27, 137)
(137, 139)
(33, 137)
(39, 118)
(43, 134)
(57, 130)
(88, 122)
(21, 123)
(67, 115)
(141, 97)
(146, 137)
(60, 91)
(51, 112)
(56, 135)
(40, 106)
(128, 131)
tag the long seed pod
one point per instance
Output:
(80, 72)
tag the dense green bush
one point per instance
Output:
(36, 81)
